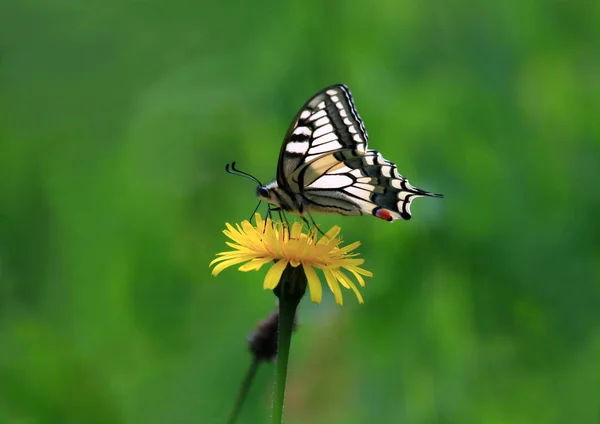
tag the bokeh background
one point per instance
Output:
(116, 121)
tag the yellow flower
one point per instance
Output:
(271, 241)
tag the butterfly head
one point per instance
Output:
(262, 192)
(273, 194)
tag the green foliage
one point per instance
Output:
(116, 120)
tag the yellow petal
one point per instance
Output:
(225, 256)
(274, 275)
(296, 231)
(259, 220)
(334, 286)
(283, 232)
(330, 235)
(255, 264)
(314, 284)
(216, 260)
(229, 262)
(252, 237)
(230, 228)
(342, 280)
(350, 247)
(358, 277)
(234, 234)
(247, 227)
(351, 263)
(268, 232)
(348, 282)
(234, 254)
(363, 271)
(236, 246)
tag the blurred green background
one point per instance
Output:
(116, 121)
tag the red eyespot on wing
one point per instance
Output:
(384, 214)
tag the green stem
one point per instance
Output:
(291, 289)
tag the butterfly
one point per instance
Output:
(325, 165)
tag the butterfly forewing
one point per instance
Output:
(326, 123)
(324, 161)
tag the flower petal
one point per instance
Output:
(341, 276)
(236, 253)
(234, 234)
(350, 262)
(239, 247)
(225, 256)
(259, 220)
(255, 264)
(330, 235)
(314, 284)
(296, 231)
(363, 272)
(334, 286)
(274, 275)
(227, 263)
(350, 247)
(247, 227)
(358, 277)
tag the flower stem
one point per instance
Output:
(291, 288)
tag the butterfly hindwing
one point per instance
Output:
(355, 183)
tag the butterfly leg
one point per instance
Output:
(313, 222)
(268, 216)
(306, 221)
(282, 216)
(284, 219)
(273, 209)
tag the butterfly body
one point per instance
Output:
(325, 167)
(299, 204)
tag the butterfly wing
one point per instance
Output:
(325, 160)
(350, 182)
(326, 123)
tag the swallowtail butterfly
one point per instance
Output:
(325, 165)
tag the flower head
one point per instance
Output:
(269, 241)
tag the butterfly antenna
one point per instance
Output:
(231, 169)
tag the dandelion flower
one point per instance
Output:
(266, 242)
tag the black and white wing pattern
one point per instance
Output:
(326, 166)
(327, 123)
